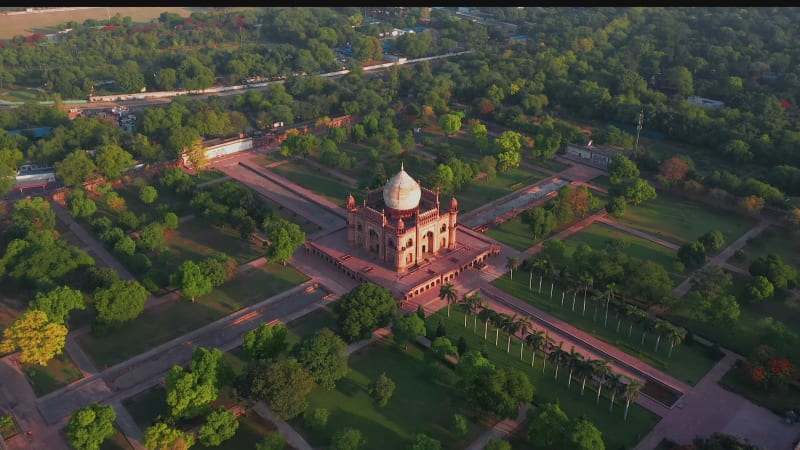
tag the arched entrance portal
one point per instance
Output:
(374, 246)
(429, 241)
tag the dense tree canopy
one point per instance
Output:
(362, 310)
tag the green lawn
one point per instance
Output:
(551, 164)
(617, 433)
(196, 239)
(315, 181)
(59, 372)
(680, 221)
(784, 243)
(481, 192)
(513, 233)
(424, 401)
(117, 442)
(208, 175)
(268, 158)
(744, 336)
(170, 320)
(602, 181)
(252, 429)
(597, 236)
(145, 406)
(687, 364)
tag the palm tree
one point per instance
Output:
(589, 282)
(448, 292)
(584, 370)
(647, 324)
(573, 360)
(464, 305)
(475, 303)
(557, 356)
(596, 299)
(676, 335)
(486, 315)
(660, 326)
(637, 315)
(524, 325)
(547, 347)
(499, 322)
(610, 292)
(511, 264)
(600, 372)
(536, 340)
(631, 393)
(616, 385)
(511, 326)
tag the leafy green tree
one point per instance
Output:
(283, 243)
(771, 266)
(509, 142)
(363, 309)
(220, 426)
(441, 347)
(272, 441)
(112, 159)
(616, 206)
(639, 190)
(266, 342)
(151, 237)
(171, 221)
(508, 160)
(759, 288)
(583, 435)
(120, 302)
(721, 311)
(324, 355)
(285, 386)
(348, 439)
(450, 124)
(90, 426)
(125, 246)
(317, 418)
(547, 430)
(32, 214)
(460, 425)
(424, 442)
(497, 444)
(191, 390)
(148, 194)
(621, 169)
(407, 328)
(711, 281)
(721, 441)
(541, 222)
(37, 338)
(713, 240)
(382, 389)
(58, 302)
(161, 436)
(76, 168)
(692, 254)
(129, 78)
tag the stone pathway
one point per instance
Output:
(293, 438)
(501, 429)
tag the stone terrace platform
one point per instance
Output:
(436, 269)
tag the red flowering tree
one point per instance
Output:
(766, 369)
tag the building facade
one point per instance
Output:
(401, 223)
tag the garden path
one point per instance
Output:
(501, 429)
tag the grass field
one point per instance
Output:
(117, 442)
(209, 175)
(687, 364)
(680, 221)
(513, 233)
(597, 236)
(424, 401)
(170, 320)
(743, 336)
(47, 22)
(13, 301)
(324, 185)
(197, 239)
(478, 193)
(59, 372)
(617, 433)
(782, 242)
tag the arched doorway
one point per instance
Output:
(429, 241)
(374, 245)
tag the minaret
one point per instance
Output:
(451, 228)
(351, 220)
(401, 254)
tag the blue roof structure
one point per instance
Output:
(36, 133)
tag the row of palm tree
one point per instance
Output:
(538, 340)
(605, 298)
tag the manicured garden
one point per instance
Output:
(687, 363)
(59, 372)
(597, 236)
(196, 239)
(617, 432)
(513, 233)
(680, 221)
(315, 181)
(175, 318)
(478, 193)
(424, 401)
(782, 242)
(779, 400)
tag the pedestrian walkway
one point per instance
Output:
(501, 429)
(293, 438)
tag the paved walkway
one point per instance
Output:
(501, 429)
(283, 193)
(722, 258)
(293, 438)
(634, 232)
(710, 408)
(92, 244)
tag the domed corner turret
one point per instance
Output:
(454, 205)
(351, 202)
(401, 226)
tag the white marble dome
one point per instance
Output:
(402, 192)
